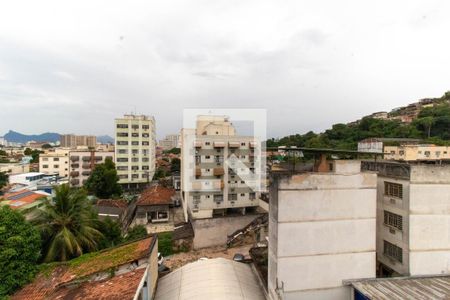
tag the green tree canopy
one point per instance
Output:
(69, 226)
(135, 233)
(112, 233)
(175, 165)
(3, 179)
(19, 250)
(103, 182)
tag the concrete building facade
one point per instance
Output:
(82, 163)
(170, 141)
(321, 231)
(211, 184)
(135, 149)
(55, 161)
(417, 152)
(413, 218)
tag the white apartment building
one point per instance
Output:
(135, 149)
(321, 231)
(55, 162)
(413, 218)
(170, 141)
(212, 157)
(82, 163)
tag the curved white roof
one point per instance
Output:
(217, 278)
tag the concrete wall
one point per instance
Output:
(215, 231)
(321, 231)
(429, 229)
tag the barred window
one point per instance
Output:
(393, 251)
(393, 220)
(393, 189)
(232, 197)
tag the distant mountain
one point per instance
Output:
(105, 139)
(17, 137)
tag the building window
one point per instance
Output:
(207, 143)
(56, 166)
(45, 158)
(134, 151)
(122, 168)
(122, 159)
(134, 168)
(393, 220)
(252, 196)
(207, 157)
(242, 195)
(122, 134)
(393, 251)
(427, 153)
(218, 198)
(122, 143)
(145, 159)
(135, 126)
(145, 167)
(122, 151)
(135, 134)
(242, 144)
(135, 143)
(145, 143)
(135, 176)
(146, 127)
(123, 176)
(122, 125)
(146, 135)
(232, 197)
(45, 166)
(56, 159)
(135, 159)
(393, 189)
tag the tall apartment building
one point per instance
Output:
(82, 163)
(212, 157)
(413, 218)
(55, 161)
(170, 141)
(417, 152)
(321, 231)
(135, 149)
(73, 141)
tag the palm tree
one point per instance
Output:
(67, 226)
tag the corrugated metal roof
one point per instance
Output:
(218, 279)
(424, 288)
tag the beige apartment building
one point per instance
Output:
(417, 152)
(322, 227)
(55, 161)
(74, 141)
(135, 149)
(413, 218)
(170, 141)
(82, 163)
(218, 168)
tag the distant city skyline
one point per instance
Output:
(74, 68)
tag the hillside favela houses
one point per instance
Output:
(135, 150)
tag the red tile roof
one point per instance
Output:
(117, 288)
(156, 195)
(48, 282)
(19, 199)
(120, 203)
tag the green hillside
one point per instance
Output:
(432, 124)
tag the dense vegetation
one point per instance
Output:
(68, 226)
(3, 179)
(432, 125)
(103, 182)
(34, 154)
(20, 246)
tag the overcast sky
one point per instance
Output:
(73, 66)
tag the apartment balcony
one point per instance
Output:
(74, 174)
(74, 158)
(86, 173)
(197, 144)
(74, 181)
(86, 166)
(234, 144)
(86, 158)
(219, 144)
(75, 166)
(219, 184)
(198, 172)
(218, 171)
(97, 158)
